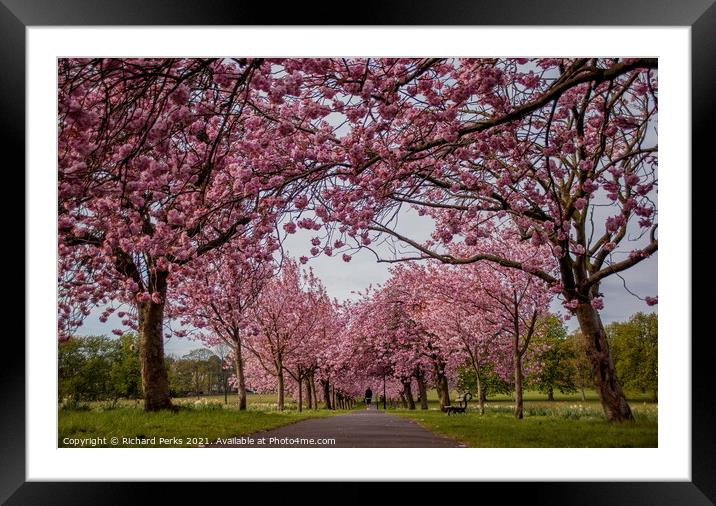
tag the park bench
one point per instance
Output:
(461, 407)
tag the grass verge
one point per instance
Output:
(191, 426)
(499, 429)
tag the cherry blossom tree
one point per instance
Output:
(458, 315)
(387, 327)
(162, 161)
(318, 332)
(482, 313)
(564, 149)
(286, 319)
(215, 297)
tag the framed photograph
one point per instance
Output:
(416, 242)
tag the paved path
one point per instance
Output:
(367, 428)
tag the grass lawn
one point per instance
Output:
(566, 422)
(197, 421)
(501, 430)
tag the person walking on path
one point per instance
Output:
(368, 396)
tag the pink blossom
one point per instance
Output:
(571, 305)
(300, 202)
(589, 186)
(597, 303)
(651, 301)
(174, 217)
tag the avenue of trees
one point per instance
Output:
(99, 368)
(180, 178)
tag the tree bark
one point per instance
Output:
(422, 390)
(313, 390)
(326, 393)
(280, 388)
(240, 379)
(309, 394)
(480, 393)
(300, 393)
(155, 381)
(614, 402)
(408, 390)
(403, 402)
(517, 364)
(441, 384)
(226, 386)
(550, 394)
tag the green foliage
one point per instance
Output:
(579, 362)
(492, 384)
(94, 368)
(557, 356)
(125, 374)
(198, 372)
(634, 347)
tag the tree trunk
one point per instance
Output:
(309, 394)
(422, 390)
(240, 379)
(408, 389)
(226, 386)
(334, 397)
(403, 402)
(550, 394)
(326, 393)
(480, 393)
(313, 390)
(517, 364)
(279, 379)
(155, 381)
(441, 384)
(614, 403)
(300, 393)
(584, 397)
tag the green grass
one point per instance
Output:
(502, 430)
(197, 422)
(566, 422)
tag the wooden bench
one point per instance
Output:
(461, 407)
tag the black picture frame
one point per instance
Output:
(700, 15)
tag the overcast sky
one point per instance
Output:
(342, 279)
